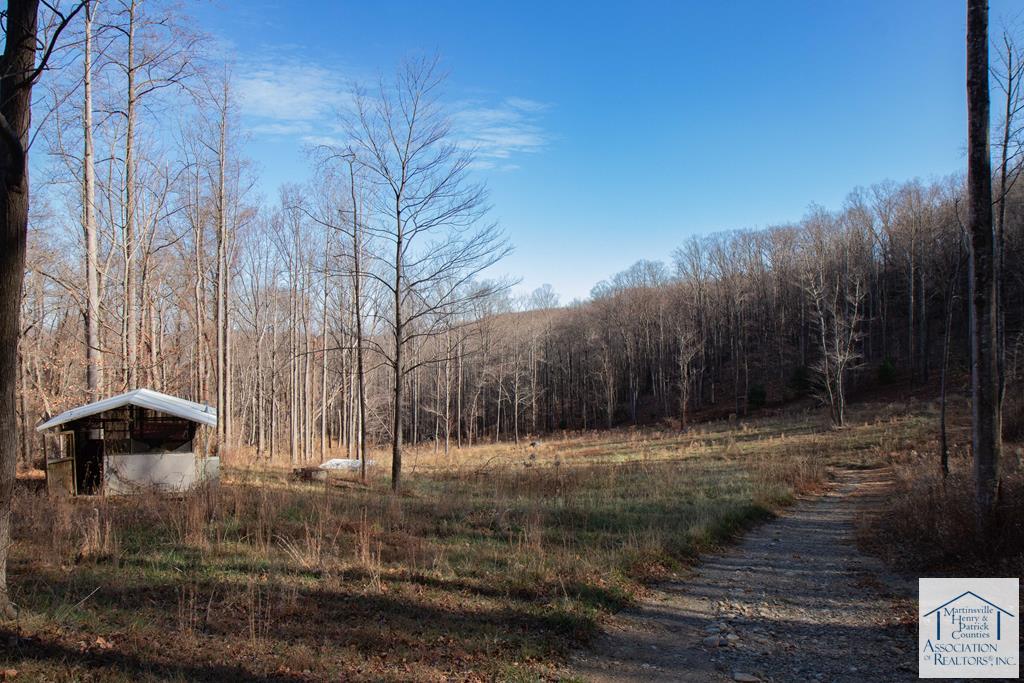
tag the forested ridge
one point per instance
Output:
(153, 262)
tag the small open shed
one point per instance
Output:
(139, 441)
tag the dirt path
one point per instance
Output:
(793, 601)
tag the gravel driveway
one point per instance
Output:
(794, 600)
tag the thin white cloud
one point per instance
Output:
(286, 97)
(502, 130)
(324, 140)
(284, 128)
(526, 104)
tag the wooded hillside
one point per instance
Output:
(153, 262)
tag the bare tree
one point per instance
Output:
(686, 351)
(155, 55)
(985, 393)
(357, 306)
(837, 317)
(227, 187)
(349, 221)
(950, 297)
(836, 295)
(1007, 76)
(430, 214)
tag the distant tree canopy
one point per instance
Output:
(152, 262)
(734, 324)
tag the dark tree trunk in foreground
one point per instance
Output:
(984, 316)
(16, 72)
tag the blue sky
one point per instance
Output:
(612, 132)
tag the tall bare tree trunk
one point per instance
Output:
(15, 115)
(198, 296)
(414, 389)
(307, 386)
(448, 394)
(987, 428)
(273, 380)
(911, 283)
(357, 278)
(293, 366)
(396, 422)
(259, 409)
(1011, 102)
(950, 299)
(131, 314)
(94, 357)
(229, 394)
(458, 397)
(323, 366)
(223, 409)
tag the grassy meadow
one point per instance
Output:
(492, 563)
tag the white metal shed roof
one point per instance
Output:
(144, 398)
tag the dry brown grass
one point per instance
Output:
(492, 563)
(928, 527)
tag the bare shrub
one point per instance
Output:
(1013, 417)
(258, 609)
(532, 534)
(368, 553)
(189, 519)
(98, 538)
(313, 547)
(231, 456)
(188, 612)
(928, 525)
(777, 479)
(258, 509)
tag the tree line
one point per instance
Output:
(355, 309)
(154, 263)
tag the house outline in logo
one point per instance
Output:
(938, 615)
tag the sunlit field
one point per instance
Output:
(492, 563)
